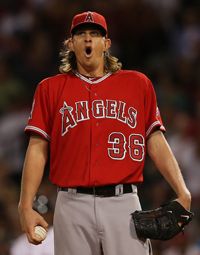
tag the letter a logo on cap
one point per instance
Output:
(89, 17)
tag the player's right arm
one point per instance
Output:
(33, 170)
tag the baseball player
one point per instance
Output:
(97, 122)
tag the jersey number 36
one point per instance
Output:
(118, 150)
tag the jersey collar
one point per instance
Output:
(91, 81)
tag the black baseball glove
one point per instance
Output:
(162, 223)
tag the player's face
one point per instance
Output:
(89, 46)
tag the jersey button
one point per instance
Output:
(97, 124)
(95, 94)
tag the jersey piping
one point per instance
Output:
(156, 123)
(40, 131)
(90, 81)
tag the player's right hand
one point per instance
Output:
(29, 218)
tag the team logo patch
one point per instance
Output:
(157, 112)
(32, 109)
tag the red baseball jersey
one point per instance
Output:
(96, 128)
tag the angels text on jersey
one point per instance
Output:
(111, 109)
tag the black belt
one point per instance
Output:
(104, 191)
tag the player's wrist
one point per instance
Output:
(24, 206)
(186, 195)
(185, 199)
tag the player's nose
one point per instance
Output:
(88, 37)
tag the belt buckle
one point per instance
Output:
(119, 189)
(72, 190)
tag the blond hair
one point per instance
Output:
(68, 61)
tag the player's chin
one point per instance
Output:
(89, 63)
(88, 60)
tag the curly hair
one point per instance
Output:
(68, 61)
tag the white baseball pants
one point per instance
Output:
(91, 225)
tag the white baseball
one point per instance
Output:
(40, 233)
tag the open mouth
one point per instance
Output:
(88, 51)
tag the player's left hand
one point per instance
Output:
(162, 223)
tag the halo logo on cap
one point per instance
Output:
(89, 17)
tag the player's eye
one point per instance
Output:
(95, 33)
(80, 33)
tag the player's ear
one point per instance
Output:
(69, 44)
(107, 43)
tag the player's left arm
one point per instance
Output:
(162, 155)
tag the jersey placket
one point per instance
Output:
(94, 135)
(96, 113)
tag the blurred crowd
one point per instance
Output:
(158, 37)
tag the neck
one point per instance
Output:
(91, 72)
